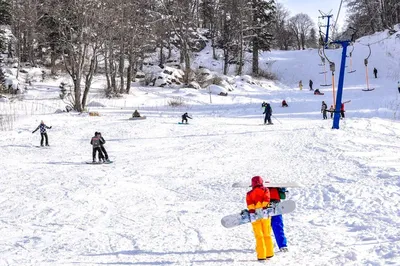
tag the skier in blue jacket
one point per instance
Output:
(43, 133)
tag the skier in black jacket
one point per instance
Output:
(324, 109)
(268, 113)
(43, 133)
(102, 142)
(185, 116)
(96, 143)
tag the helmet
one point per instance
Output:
(257, 181)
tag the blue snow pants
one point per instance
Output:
(277, 227)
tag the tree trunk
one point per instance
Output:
(240, 59)
(226, 59)
(255, 56)
(53, 58)
(89, 78)
(106, 69)
(121, 71)
(129, 73)
(77, 90)
(187, 63)
(161, 56)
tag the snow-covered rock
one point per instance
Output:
(219, 90)
(95, 104)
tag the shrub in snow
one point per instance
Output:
(194, 85)
(94, 114)
(217, 80)
(267, 75)
(177, 101)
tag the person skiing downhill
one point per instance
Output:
(96, 143)
(258, 200)
(276, 194)
(268, 113)
(185, 116)
(301, 85)
(324, 109)
(311, 84)
(102, 142)
(398, 85)
(43, 132)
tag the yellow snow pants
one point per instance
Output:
(262, 232)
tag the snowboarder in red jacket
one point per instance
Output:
(258, 200)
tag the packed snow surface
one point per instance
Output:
(160, 202)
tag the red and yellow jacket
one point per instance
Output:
(257, 198)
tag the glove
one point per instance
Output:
(252, 217)
(50, 126)
(267, 212)
(33, 132)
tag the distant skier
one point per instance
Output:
(376, 72)
(276, 195)
(398, 86)
(332, 111)
(324, 109)
(311, 84)
(96, 143)
(268, 114)
(185, 116)
(284, 104)
(342, 109)
(102, 142)
(258, 200)
(43, 133)
(317, 92)
(301, 85)
(136, 114)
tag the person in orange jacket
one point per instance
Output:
(276, 194)
(257, 203)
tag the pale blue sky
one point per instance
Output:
(311, 8)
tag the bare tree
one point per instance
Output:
(80, 30)
(300, 26)
(281, 33)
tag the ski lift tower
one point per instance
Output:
(323, 16)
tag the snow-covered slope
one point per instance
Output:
(161, 201)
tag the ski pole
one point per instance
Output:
(276, 119)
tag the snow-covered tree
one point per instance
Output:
(263, 12)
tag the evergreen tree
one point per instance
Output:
(263, 18)
(5, 16)
(312, 40)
